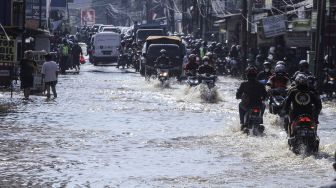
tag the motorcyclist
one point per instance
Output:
(192, 67)
(302, 100)
(278, 80)
(252, 93)
(266, 73)
(303, 69)
(205, 68)
(162, 59)
(123, 56)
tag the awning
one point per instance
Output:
(224, 18)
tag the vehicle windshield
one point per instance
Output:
(142, 35)
(172, 51)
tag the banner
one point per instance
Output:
(88, 17)
(274, 26)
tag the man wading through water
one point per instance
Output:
(28, 66)
(50, 75)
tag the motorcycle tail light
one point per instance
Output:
(256, 110)
(305, 120)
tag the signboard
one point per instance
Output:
(38, 56)
(88, 17)
(298, 39)
(7, 50)
(274, 26)
(301, 25)
(7, 59)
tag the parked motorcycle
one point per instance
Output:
(303, 135)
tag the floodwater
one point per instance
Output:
(111, 128)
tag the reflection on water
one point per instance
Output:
(112, 128)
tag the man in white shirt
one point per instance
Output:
(50, 75)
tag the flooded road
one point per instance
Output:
(111, 128)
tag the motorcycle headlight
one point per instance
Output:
(165, 74)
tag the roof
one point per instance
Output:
(164, 37)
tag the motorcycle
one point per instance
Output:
(303, 135)
(330, 82)
(252, 121)
(220, 66)
(276, 101)
(122, 60)
(208, 80)
(163, 75)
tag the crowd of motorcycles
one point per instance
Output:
(302, 132)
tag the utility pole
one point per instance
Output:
(320, 40)
(40, 13)
(172, 16)
(185, 24)
(244, 33)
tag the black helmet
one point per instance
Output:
(192, 57)
(251, 73)
(304, 65)
(122, 42)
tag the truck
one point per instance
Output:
(175, 51)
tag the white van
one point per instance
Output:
(105, 47)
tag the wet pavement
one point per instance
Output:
(111, 128)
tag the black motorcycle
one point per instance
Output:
(303, 135)
(253, 121)
(208, 80)
(122, 61)
(276, 103)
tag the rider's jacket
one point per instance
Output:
(278, 81)
(302, 100)
(252, 93)
(206, 69)
(263, 75)
(162, 60)
(192, 67)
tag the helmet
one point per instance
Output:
(301, 80)
(280, 69)
(304, 65)
(209, 54)
(192, 57)
(251, 72)
(267, 64)
(219, 45)
(163, 51)
(122, 42)
(205, 58)
(281, 63)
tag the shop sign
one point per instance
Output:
(7, 50)
(274, 26)
(314, 20)
(301, 25)
(298, 39)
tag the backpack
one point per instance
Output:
(65, 50)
